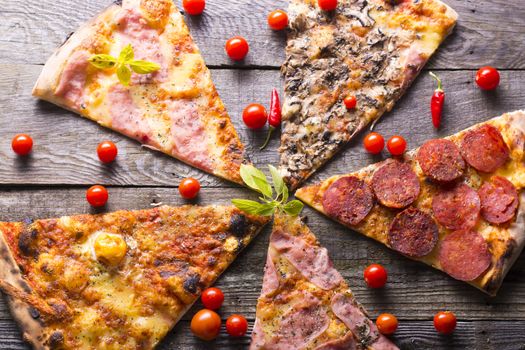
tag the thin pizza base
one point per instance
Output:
(506, 241)
(41, 322)
(176, 111)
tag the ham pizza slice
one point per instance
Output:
(120, 280)
(175, 109)
(370, 50)
(305, 303)
(457, 204)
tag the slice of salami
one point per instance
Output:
(395, 184)
(457, 207)
(499, 200)
(441, 160)
(484, 149)
(413, 233)
(349, 200)
(464, 255)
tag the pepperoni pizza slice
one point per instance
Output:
(370, 50)
(120, 280)
(457, 204)
(305, 303)
(175, 110)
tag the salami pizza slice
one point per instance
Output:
(305, 303)
(457, 204)
(175, 109)
(120, 280)
(369, 49)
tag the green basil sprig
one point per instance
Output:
(256, 180)
(125, 63)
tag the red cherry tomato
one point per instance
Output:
(107, 151)
(487, 78)
(194, 7)
(97, 196)
(445, 322)
(236, 325)
(212, 298)
(278, 20)
(375, 276)
(327, 5)
(386, 324)
(255, 116)
(237, 48)
(22, 144)
(396, 145)
(206, 324)
(189, 188)
(350, 102)
(374, 143)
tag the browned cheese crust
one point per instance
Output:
(505, 241)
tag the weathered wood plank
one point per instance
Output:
(488, 31)
(65, 143)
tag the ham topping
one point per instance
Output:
(346, 343)
(73, 79)
(270, 279)
(312, 261)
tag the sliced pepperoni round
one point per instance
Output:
(348, 200)
(395, 184)
(499, 200)
(441, 160)
(457, 207)
(413, 233)
(484, 149)
(464, 255)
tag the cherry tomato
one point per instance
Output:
(255, 116)
(374, 143)
(237, 48)
(22, 144)
(194, 7)
(375, 276)
(107, 151)
(236, 325)
(189, 188)
(327, 5)
(487, 78)
(97, 196)
(350, 102)
(386, 324)
(206, 324)
(278, 20)
(212, 298)
(396, 145)
(445, 322)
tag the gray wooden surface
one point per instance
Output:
(53, 180)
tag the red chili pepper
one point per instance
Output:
(437, 101)
(274, 119)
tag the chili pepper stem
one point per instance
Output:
(270, 132)
(440, 86)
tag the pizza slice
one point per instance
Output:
(175, 110)
(457, 204)
(371, 50)
(305, 303)
(116, 281)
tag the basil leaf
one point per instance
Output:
(103, 61)
(278, 183)
(263, 186)
(293, 207)
(248, 206)
(126, 54)
(144, 67)
(266, 209)
(124, 74)
(255, 179)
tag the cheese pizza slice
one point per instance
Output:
(305, 303)
(120, 280)
(457, 204)
(175, 109)
(370, 50)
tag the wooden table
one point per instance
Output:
(52, 182)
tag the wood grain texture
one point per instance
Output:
(488, 31)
